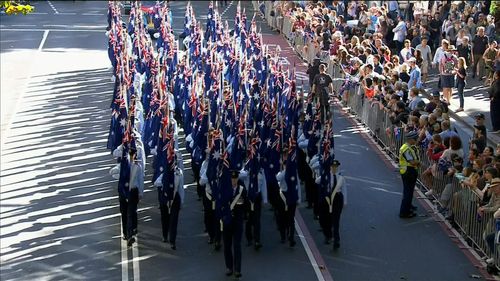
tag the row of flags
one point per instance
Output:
(238, 106)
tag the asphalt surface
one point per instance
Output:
(59, 217)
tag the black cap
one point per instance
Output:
(412, 135)
(479, 115)
(435, 93)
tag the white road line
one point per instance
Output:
(309, 253)
(124, 255)
(4, 134)
(44, 38)
(227, 8)
(135, 260)
(24, 25)
(53, 7)
(41, 29)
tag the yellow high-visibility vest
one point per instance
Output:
(403, 164)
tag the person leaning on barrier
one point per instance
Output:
(409, 162)
(494, 202)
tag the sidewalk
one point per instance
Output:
(476, 99)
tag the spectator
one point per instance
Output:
(407, 52)
(436, 102)
(426, 52)
(400, 116)
(495, 103)
(465, 50)
(480, 136)
(447, 67)
(446, 131)
(452, 32)
(399, 33)
(490, 28)
(416, 102)
(461, 81)
(479, 45)
(434, 152)
(434, 28)
(415, 75)
(470, 28)
(473, 155)
(489, 57)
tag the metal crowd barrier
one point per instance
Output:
(459, 203)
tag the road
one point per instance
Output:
(59, 217)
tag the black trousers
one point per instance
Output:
(232, 234)
(212, 224)
(285, 218)
(128, 210)
(170, 219)
(409, 181)
(200, 190)
(495, 114)
(331, 220)
(316, 199)
(273, 193)
(252, 229)
(306, 175)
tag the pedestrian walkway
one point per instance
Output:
(476, 99)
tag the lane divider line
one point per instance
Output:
(44, 38)
(135, 260)
(317, 262)
(8, 126)
(124, 253)
(53, 7)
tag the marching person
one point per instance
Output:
(289, 197)
(171, 196)
(233, 211)
(255, 179)
(409, 162)
(332, 202)
(130, 185)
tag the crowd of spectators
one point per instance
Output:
(389, 48)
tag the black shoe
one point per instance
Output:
(336, 245)
(229, 272)
(164, 240)
(257, 245)
(407, 216)
(172, 246)
(292, 243)
(237, 274)
(131, 241)
(217, 246)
